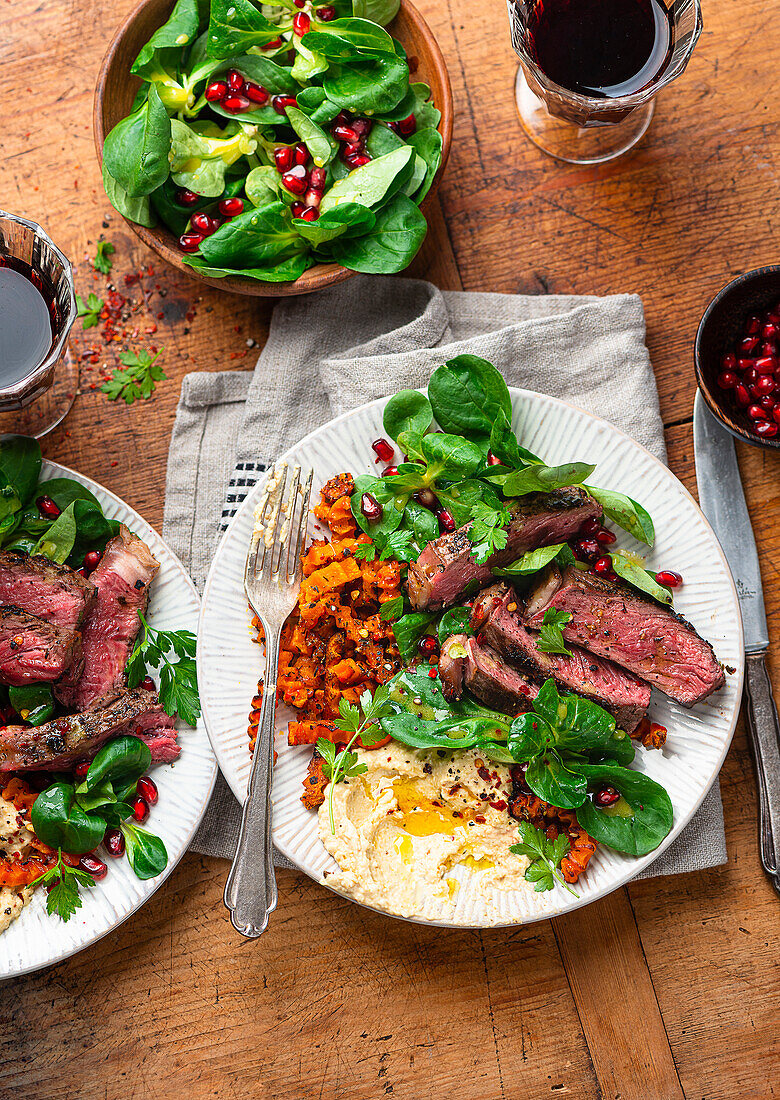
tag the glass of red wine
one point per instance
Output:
(38, 375)
(589, 69)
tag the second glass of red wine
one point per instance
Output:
(38, 375)
(589, 69)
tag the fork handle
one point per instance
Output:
(765, 741)
(250, 891)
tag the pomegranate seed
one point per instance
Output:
(428, 499)
(114, 842)
(493, 460)
(407, 126)
(668, 578)
(140, 809)
(283, 158)
(446, 521)
(605, 537)
(745, 365)
(299, 3)
(776, 414)
(358, 160)
(590, 527)
(371, 508)
(272, 45)
(351, 150)
(729, 362)
(750, 343)
(231, 207)
(317, 178)
(341, 119)
(301, 24)
(235, 103)
(256, 93)
(346, 133)
(741, 396)
(383, 449)
(93, 866)
(185, 197)
(770, 331)
(390, 471)
(297, 208)
(766, 402)
(47, 507)
(752, 325)
(279, 102)
(768, 347)
(362, 127)
(235, 80)
(82, 571)
(313, 198)
(203, 224)
(603, 565)
(81, 769)
(301, 154)
(767, 429)
(587, 550)
(296, 180)
(605, 796)
(325, 14)
(765, 384)
(727, 380)
(147, 684)
(216, 91)
(91, 559)
(147, 788)
(767, 364)
(428, 645)
(310, 214)
(755, 412)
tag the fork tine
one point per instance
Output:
(298, 543)
(256, 553)
(275, 524)
(286, 533)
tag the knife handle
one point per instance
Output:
(765, 742)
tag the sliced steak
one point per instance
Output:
(452, 666)
(446, 566)
(60, 743)
(33, 650)
(50, 591)
(487, 676)
(618, 691)
(614, 621)
(122, 579)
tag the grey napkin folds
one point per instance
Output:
(367, 338)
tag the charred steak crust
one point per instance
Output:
(446, 565)
(614, 621)
(44, 588)
(63, 741)
(494, 682)
(33, 650)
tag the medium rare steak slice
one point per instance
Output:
(33, 650)
(486, 675)
(614, 621)
(592, 677)
(122, 579)
(75, 737)
(50, 591)
(446, 565)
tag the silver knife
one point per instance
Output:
(723, 502)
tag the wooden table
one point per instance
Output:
(666, 989)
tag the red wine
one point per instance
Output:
(598, 48)
(26, 331)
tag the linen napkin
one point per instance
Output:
(367, 338)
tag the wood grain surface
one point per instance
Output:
(666, 989)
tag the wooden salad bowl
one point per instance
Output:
(116, 89)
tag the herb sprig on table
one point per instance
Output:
(136, 378)
(89, 311)
(103, 262)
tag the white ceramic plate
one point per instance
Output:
(229, 661)
(35, 939)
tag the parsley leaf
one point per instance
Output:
(551, 634)
(365, 551)
(178, 679)
(64, 897)
(344, 765)
(391, 609)
(89, 310)
(103, 262)
(487, 531)
(545, 856)
(137, 380)
(399, 545)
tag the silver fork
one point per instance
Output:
(272, 581)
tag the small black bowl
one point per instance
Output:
(719, 329)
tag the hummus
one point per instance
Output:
(14, 839)
(412, 827)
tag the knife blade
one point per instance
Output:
(723, 502)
